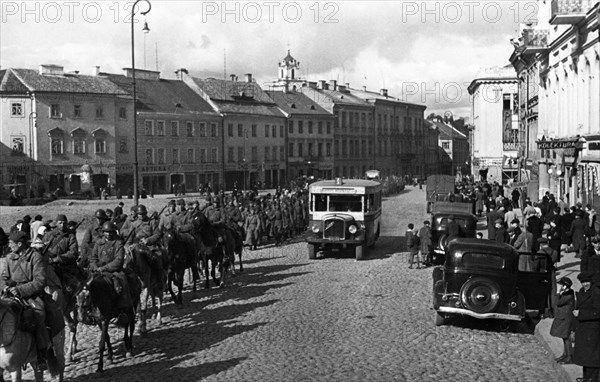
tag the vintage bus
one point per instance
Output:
(344, 214)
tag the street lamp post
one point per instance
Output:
(136, 194)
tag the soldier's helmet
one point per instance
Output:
(181, 202)
(172, 203)
(141, 209)
(109, 227)
(101, 214)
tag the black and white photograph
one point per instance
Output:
(300, 190)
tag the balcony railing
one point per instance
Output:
(535, 40)
(570, 11)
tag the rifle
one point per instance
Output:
(154, 216)
(77, 226)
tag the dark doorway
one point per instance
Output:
(75, 183)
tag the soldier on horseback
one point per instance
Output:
(24, 276)
(145, 233)
(61, 248)
(91, 235)
(107, 258)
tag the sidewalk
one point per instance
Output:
(569, 267)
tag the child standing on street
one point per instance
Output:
(413, 244)
(563, 319)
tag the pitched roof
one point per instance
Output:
(10, 83)
(446, 131)
(31, 80)
(163, 96)
(237, 97)
(325, 96)
(371, 95)
(296, 103)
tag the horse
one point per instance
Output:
(140, 259)
(233, 243)
(17, 347)
(209, 247)
(182, 254)
(98, 304)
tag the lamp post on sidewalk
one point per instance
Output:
(136, 194)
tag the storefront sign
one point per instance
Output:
(553, 145)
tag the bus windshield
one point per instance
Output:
(345, 203)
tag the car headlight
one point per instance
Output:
(352, 229)
(315, 228)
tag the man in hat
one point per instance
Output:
(24, 276)
(577, 233)
(590, 260)
(92, 234)
(213, 213)
(63, 253)
(145, 235)
(587, 335)
(166, 219)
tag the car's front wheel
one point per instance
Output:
(481, 295)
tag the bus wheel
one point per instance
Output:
(312, 254)
(360, 252)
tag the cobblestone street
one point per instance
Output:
(333, 319)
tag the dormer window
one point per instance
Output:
(312, 107)
(293, 106)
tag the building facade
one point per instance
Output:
(560, 120)
(62, 129)
(254, 131)
(309, 135)
(180, 140)
(494, 112)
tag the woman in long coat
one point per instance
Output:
(563, 318)
(587, 332)
(479, 197)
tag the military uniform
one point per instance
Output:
(146, 228)
(214, 214)
(63, 253)
(92, 234)
(252, 227)
(108, 257)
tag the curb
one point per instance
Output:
(563, 374)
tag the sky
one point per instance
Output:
(426, 52)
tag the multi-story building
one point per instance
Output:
(353, 130)
(309, 135)
(253, 128)
(561, 117)
(453, 149)
(399, 134)
(62, 129)
(496, 140)
(431, 149)
(179, 135)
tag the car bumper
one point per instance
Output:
(484, 316)
(334, 242)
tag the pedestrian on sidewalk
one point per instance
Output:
(587, 332)
(562, 325)
(425, 238)
(412, 244)
(590, 261)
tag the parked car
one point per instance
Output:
(485, 279)
(439, 238)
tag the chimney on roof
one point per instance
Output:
(322, 84)
(384, 92)
(248, 77)
(95, 70)
(233, 77)
(180, 73)
(347, 84)
(48, 69)
(364, 88)
(333, 84)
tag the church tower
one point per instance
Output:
(288, 77)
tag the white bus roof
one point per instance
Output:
(348, 187)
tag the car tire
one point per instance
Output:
(312, 254)
(480, 294)
(440, 319)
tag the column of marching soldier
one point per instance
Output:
(42, 265)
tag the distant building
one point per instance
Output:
(180, 139)
(496, 139)
(309, 135)
(254, 130)
(452, 147)
(61, 128)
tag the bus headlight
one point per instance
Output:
(352, 229)
(315, 228)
